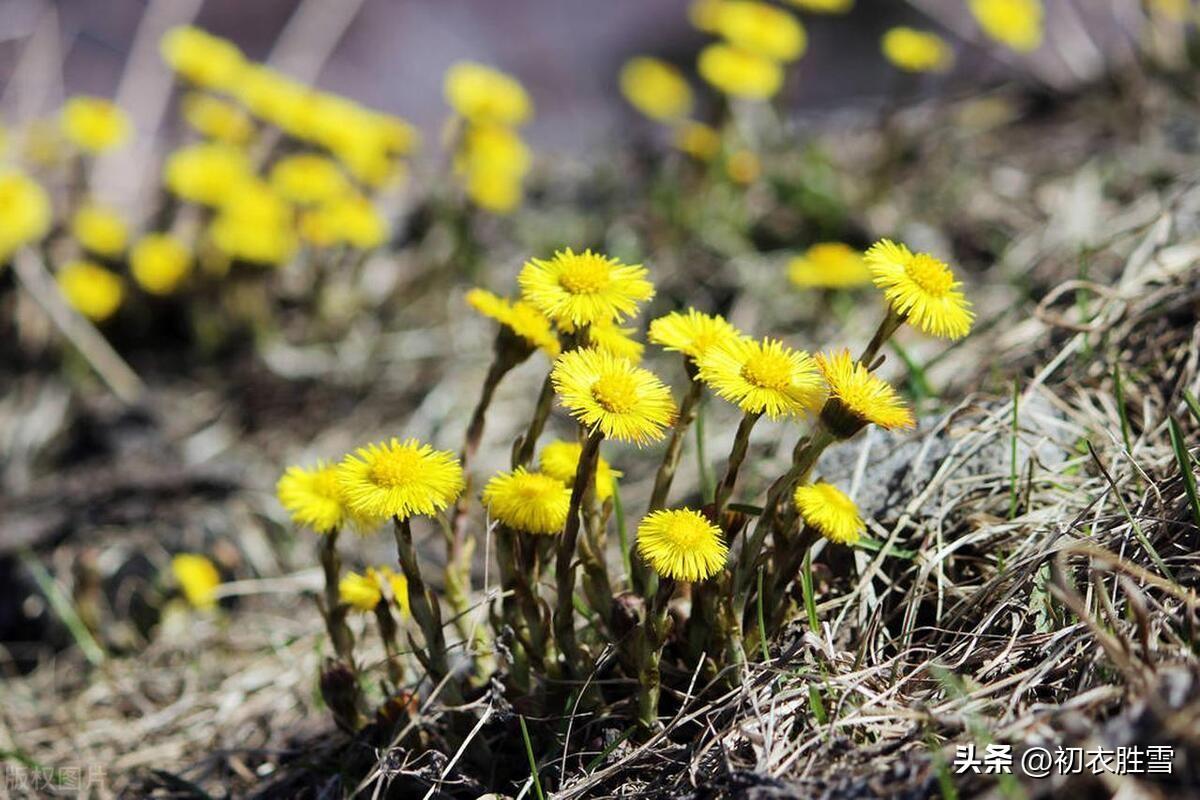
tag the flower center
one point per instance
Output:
(768, 371)
(616, 393)
(325, 484)
(686, 533)
(586, 275)
(398, 468)
(930, 274)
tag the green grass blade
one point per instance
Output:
(63, 608)
(1193, 405)
(1185, 467)
(917, 380)
(1014, 470)
(762, 623)
(1119, 390)
(707, 485)
(806, 587)
(533, 769)
(622, 531)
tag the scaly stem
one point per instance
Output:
(564, 611)
(387, 631)
(653, 636)
(737, 455)
(523, 451)
(789, 558)
(334, 610)
(425, 610)
(890, 324)
(670, 462)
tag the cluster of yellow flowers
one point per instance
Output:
(1016, 24)
(489, 156)
(556, 515)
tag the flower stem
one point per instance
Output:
(653, 636)
(670, 462)
(333, 609)
(737, 455)
(424, 606)
(523, 450)
(890, 323)
(564, 612)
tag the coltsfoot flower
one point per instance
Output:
(217, 119)
(829, 265)
(519, 317)
(700, 141)
(482, 94)
(313, 497)
(828, 510)
(858, 397)
(739, 73)
(197, 577)
(916, 51)
(100, 230)
(761, 29)
(609, 394)
(307, 179)
(364, 592)
(528, 501)
(560, 460)
(656, 88)
(920, 288)
(681, 544)
(206, 173)
(583, 288)
(94, 124)
(692, 332)
(1017, 24)
(159, 262)
(91, 289)
(24, 211)
(205, 60)
(399, 479)
(763, 377)
(823, 6)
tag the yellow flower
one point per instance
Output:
(91, 289)
(560, 460)
(703, 14)
(307, 179)
(763, 377)
(610, 394)
(217, 119)
(272, 96)
(858, 397)
(761, 29)
(698, 140)
(830, 511)
(24, 211)
(691, 332)
(920, 288)
(494, 161)
(740, 73)
(497, 191)
(916, 51)
(350, 219)
(656, 88)
(204, 59)
(197, 577)
(313, 497)
(43, 143)
(615, 340)
(743, 167)
(583, 288)
(94, 124)
(207, 173)
(519, 317)
(481, 94)
(399, 479)
(397, 135)
(829, 265)
(823, 6)
(255, 224)
(364, 592)
(159, 263)
(528, 501)
(100, 230)
(1015, 23)
(682, 544)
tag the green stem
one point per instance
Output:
(424, 606)
(564, 613)
(334, 610)
(670, 462)
(523, 451)
(890, 324)
(737, 455)
(653, 637)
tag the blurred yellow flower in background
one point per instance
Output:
(25, 212)
(159, 262)
(532, 502)
(655, 88)
(698, 140)
(743, 167)
(1017, 24)
(830, 512)
(823, 6)
(197, 577)
(740, 73)
(91, 289)
(206, 173)
(682, 544)
(829, 265)
(560, 460)
(916, 51)
(364, 592)
(481, 94)
(611, 395)
(205, 60)
(217, 119)
(762, 29)
(308, 179)
(100, 230)
(255, 224)
(94, 124)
